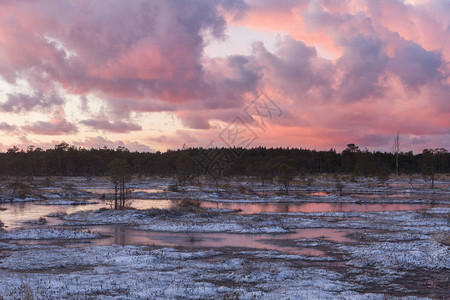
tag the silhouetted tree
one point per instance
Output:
(365, 165)
(285, 176)
(67, 160)
(349, 157)
(430, 157)
(120, 172)
(185, 168)
(396, 151)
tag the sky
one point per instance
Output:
(153, 75)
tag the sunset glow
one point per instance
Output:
(157, 75)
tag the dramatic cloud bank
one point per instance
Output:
(355, 71)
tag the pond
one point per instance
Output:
(18, 213)
(125, 236)
(121, 235)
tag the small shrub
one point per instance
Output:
(443, 238)
(353, 178)
(69, 187)
(46, 182)
(382, 177)
(246, 190)
(339, 187)
(192, 239)
(20, 189)
(242, 189)
(188, 204)
(26, 292)
(259, 218)
(173, 188)
(231, 296)
(280, 192)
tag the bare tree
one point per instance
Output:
(120, 172)
(396, 149)
(431, 161)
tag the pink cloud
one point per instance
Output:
(22, 103)
(141, 49)
(388, 71)
(194, 120)
(115, 126)
(8, 127)
(100, 142)
(175, 141)
(57, 125)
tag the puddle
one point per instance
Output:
(320, 194)
(252, 208)
(150, 191)
(121, 235)
(418, 185)
(16, 214)
(125, 236)
(381, 196)
(19, 212)
(111, 191)
(330, 234)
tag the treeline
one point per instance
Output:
(67, 160)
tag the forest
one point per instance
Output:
(66, 160)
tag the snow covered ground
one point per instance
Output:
(46, 234)
(352, 254)
(315, 188)
(139, 272)
(175, 220)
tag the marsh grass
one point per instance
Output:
(339, 187)
(187, 204)
(193, 239)
(25, 292)
(246, 190)
(173, 188)
(443, 238)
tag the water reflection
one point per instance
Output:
(124, 236)
(252, 208)
(19, 212)
(320, 194)
(111, 191)
(16, 214)
(418, 185)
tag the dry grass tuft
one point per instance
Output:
(443, 238)
(188, 204)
